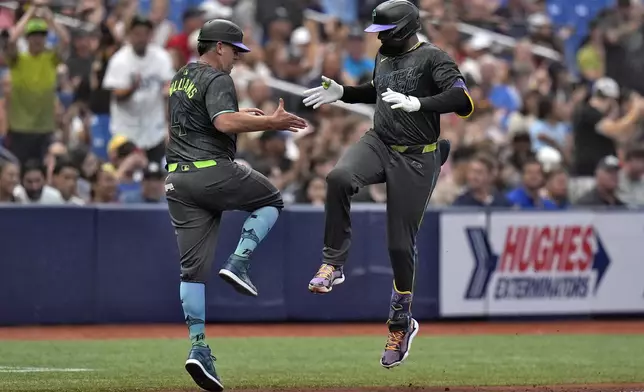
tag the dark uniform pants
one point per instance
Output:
(198, 193)
(410, 176)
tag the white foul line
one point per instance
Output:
(15, 369)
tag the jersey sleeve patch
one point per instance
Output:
(459, 83)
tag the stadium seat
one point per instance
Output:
(577, 14)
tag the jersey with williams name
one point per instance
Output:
(421, 72)
(198, 94)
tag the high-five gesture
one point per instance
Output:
(329, 92)
(283, 120)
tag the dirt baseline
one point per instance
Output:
(169, 331)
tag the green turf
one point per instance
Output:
(130, 365)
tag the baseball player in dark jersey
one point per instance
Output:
(413, 83)
(204, 181)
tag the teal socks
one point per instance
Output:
(193, 295)
(256, 227)
(193, 300)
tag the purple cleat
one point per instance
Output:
(402, 329)
(327, 276)
(398, 345)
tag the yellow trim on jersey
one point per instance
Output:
(471, 104)
(426, 148)
(400, 292)
(415, 46)
(408, 50)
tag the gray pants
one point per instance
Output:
(410, 178)
(196, 200)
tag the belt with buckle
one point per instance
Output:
(415, 149)
(187, 166)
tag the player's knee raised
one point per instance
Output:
(339, 178)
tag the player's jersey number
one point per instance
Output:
(177, 121)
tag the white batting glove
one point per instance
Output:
(329, 92)
(401, 101)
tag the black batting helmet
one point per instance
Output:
(395, 19)
(221, 30)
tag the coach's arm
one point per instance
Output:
(221, 102)
(240, 122)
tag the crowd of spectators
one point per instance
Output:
(558, 119)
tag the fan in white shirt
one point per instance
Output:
(138, 75)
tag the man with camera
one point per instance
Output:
(599, 125)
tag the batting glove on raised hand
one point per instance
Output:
(329, 92)
(401, 101)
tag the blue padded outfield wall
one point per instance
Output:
(73, 265)
(112, 265)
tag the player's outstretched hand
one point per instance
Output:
(283, 120)
(253, 111)
(401, 101)
(329, 92)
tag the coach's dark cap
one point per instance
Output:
(153, 172)
(609, 163)
(221, 30)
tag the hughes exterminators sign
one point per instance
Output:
(541, 263)
(538, 261)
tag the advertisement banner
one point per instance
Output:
(542, 263)
(622, 289)
(456, 263)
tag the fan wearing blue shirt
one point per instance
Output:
(480, 189)
(355, 63)
(527, 196)
(152, 189)
(548, 129)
